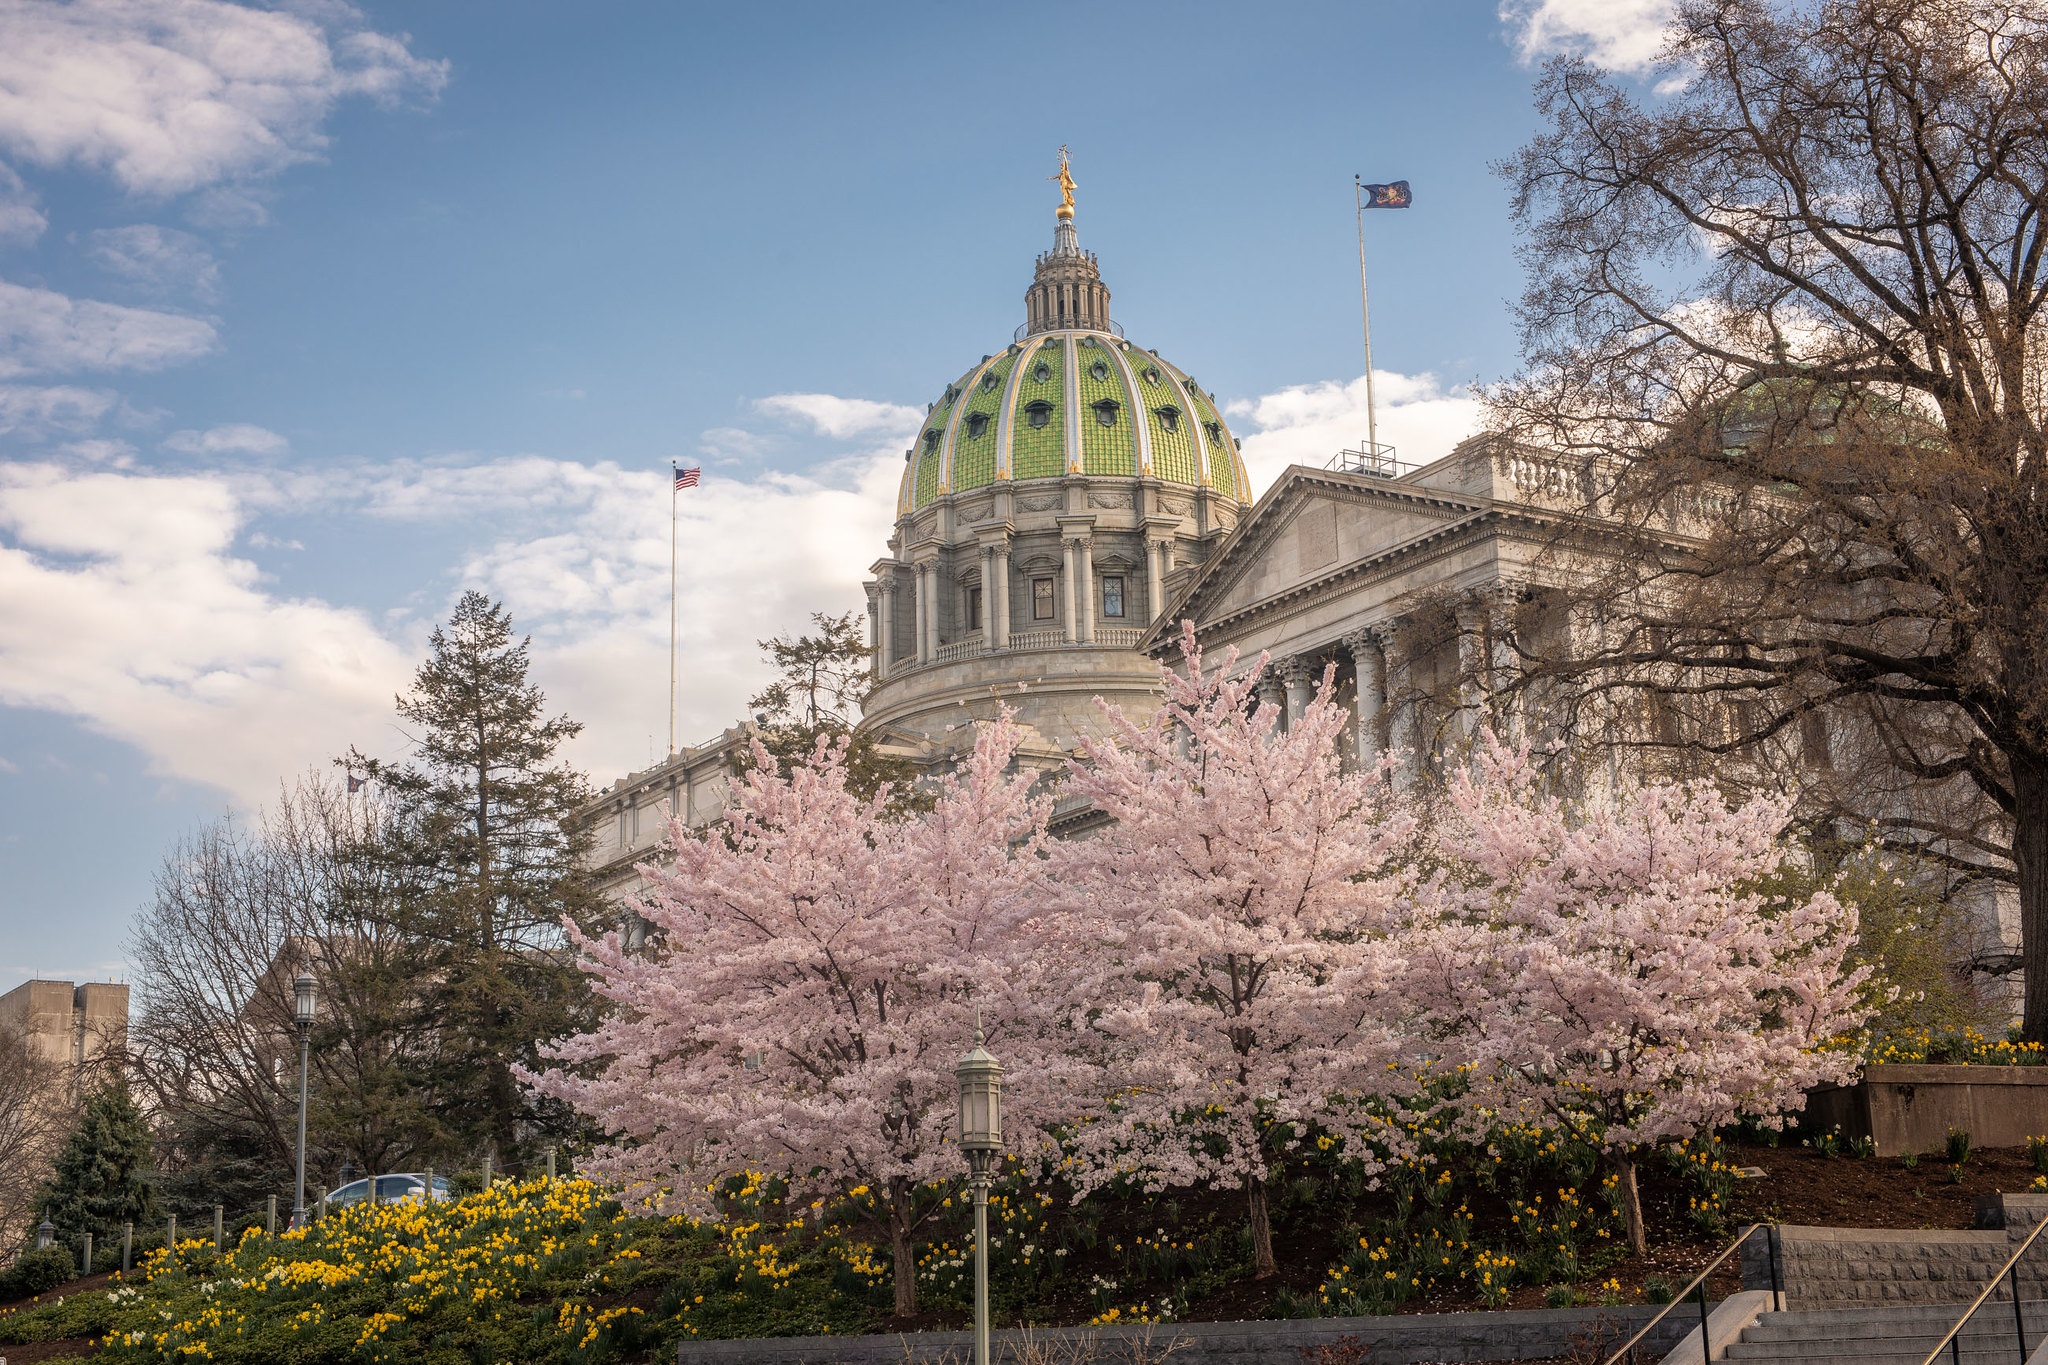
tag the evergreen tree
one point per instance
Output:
(493, 868)
(819, 682)
(101, 1176)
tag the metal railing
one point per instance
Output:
(1115, 329)
(1377, 460)
(1699, 1282)
(2009, 1272)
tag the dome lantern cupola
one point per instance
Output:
(1067, 289)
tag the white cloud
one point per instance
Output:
(1624, 35)
(168, 96)
(34, 412)
(21, 222)
(1309, 423)
(42, 331)
(161, 262)
(121, 605)
(844, 418)
(236, 438)
(123, 602)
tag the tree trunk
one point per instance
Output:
(1631, 1200)
(2030, 864)
(1263, 1264)
(903, 1260)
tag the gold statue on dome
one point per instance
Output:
(1066, 209)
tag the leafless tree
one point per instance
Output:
(34, 1114)
(240, 909)
(1783, 337)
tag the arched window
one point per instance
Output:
(989, 380)
(1100, 369)
(1042, 373)
(1038, 412)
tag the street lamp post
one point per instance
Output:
(981, 1137)
(302, 1016)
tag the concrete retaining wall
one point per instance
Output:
(1408, 1339)
(1911, 1108)
(1858, 1267)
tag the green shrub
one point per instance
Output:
(37, 1270)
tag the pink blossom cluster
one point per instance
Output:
(1264, 944)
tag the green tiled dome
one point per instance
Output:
(1077, 401)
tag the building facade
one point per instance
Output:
(71, 1026)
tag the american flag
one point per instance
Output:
(687, 478)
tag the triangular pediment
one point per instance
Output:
(1312, 524)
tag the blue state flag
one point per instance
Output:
(1394, 196)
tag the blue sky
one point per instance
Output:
(313, 316)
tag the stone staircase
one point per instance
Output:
(1889, 1336)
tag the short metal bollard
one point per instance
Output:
(85, 1261)
(216, 1230)
(127, 1246)
(270, 1217)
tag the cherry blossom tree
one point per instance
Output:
(1610, 969)
(1231, 929)
(818, 969)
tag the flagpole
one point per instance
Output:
(1372, 428)
(673, 475)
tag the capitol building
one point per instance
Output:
(1072, 496)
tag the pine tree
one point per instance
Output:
(495, 868)
(102, 1174)
(819, 681)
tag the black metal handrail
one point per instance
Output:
(1699, 1282)
(1953, 1342)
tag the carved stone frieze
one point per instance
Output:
(1109, 500)
(1041, 502)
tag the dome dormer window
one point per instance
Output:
(931, 441)
(989, 381)
(1151, 376)
(977, 423)
(1106, 410)
(1099, 370)
(1169, 417)
(1042, 373)
(1215, 430)
(1038, 412)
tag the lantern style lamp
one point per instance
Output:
(981, 1137)
(303, 1006)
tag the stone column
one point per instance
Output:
(1084, 559)
(1070, 624)
(1272, 699)
(1502, 660)
(1155, 580)
(927, 612)
(1370, 657)
(1000, 612)
(1472, 689)
(1297, 673)
(874, 593)
(1404, 720)
(885, 624)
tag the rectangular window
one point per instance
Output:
(1112, 595)
(1041, 599)
(974, 608)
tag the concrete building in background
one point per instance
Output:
(69, 1025)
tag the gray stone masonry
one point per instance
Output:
(1408, 1339)
(1869, 1267)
